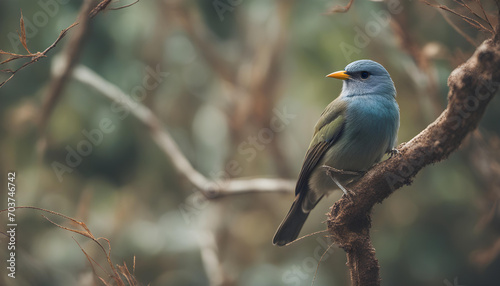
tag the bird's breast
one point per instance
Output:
(370, 131)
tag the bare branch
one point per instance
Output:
(474, 23)
(463, 4)
(191, 23)
(209, 255)
(115, 276)
(458, 29)
(486, 16)
(167, 144)
(37, 56)
(125, 6)
(71, 52)
(340, 9)
(100, 7)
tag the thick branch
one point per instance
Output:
(472, 86)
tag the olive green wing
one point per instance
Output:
(327, 131)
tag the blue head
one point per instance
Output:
(365, 77)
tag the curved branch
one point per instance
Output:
(341, 9)
(210, 189)
(472, 86)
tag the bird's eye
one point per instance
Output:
(365, 74)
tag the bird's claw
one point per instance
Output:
(393, 152)
(330, 170)
(348, 193)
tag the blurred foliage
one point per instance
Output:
(127, 191)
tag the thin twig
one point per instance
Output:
(470, 21)
(485, 15)
(40, 54)
(125, 6)
(37, 56)
(319, 262)
(454, 26)
(91, 260)
(88, 234)
(306, 236)
(340, 9)
(463, 4)
(100, 7)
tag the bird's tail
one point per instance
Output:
(290, 228)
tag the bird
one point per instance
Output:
(352, 134)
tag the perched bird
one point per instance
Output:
(351, 135)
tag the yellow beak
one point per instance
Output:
(339, 75)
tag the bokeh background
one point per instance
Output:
(231, 66)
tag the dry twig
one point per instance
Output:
(34, 57)
(38, 55)
(116, 271)
(125, 6)
(474, 23)
(340, 9)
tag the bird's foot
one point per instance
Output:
(329, 170)
(393, 152)
(347, 193)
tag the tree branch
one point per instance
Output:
(472, 86)
(37, 56)
(340, 9)
(72, 52)
(191, 23)
(211, 189)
